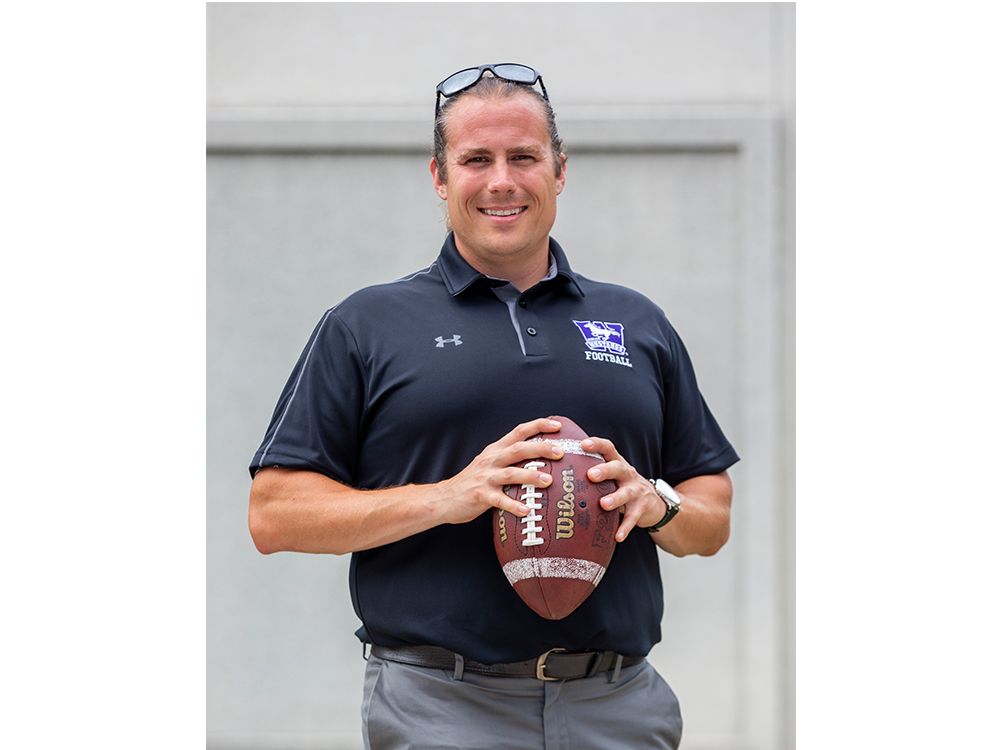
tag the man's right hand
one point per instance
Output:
(304, 511)
(479, 486)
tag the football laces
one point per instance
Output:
(530, 497)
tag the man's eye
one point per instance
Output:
(476, 160)
(524, 157)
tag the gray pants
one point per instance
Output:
(416, 708)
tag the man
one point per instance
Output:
(409, 411)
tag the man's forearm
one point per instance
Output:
(303, 511)
(702, 526)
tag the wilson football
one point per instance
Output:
(556, 555)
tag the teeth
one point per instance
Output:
(504, 212)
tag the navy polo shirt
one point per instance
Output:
(406, 382)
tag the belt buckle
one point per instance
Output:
(540, 665)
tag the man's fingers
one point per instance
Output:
(519, 476)
(626, 525)
(529, 429)
(618, 499)
(622, 497)
(522, 452)
(601, 445)
(615, 469)
(503, 502)
(631, 511)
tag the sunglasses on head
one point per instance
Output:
(463, 79)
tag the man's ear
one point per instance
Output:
(561, 179)
(440, 186)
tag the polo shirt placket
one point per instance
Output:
(527, 325)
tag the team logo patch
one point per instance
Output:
(605, 341)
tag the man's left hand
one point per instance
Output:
(635, 497)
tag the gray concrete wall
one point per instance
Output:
(678, 122)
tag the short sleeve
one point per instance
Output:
(693, 443)
(316, 423)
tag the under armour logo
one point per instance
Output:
(455, 339)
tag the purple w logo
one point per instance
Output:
(602, 336)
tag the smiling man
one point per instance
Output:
(409, 411)
(500, 177)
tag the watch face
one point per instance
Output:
(669, 493)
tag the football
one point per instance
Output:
(556, 555)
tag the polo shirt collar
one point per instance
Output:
(458, 275)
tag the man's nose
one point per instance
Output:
(501, 180)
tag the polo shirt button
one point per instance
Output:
(532, 331)
(522, 302)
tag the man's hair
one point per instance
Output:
(489, 87)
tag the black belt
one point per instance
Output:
(554, 664)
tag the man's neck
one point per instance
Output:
(520, 272)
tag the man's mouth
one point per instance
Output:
(503, 211)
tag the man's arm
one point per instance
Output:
(701, 527)
(303, 511)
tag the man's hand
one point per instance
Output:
(305, 511)
(635, 496)
(479, 486)
(701, 527)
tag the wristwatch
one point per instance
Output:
(670, 498)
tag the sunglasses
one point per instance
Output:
(463, 79)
